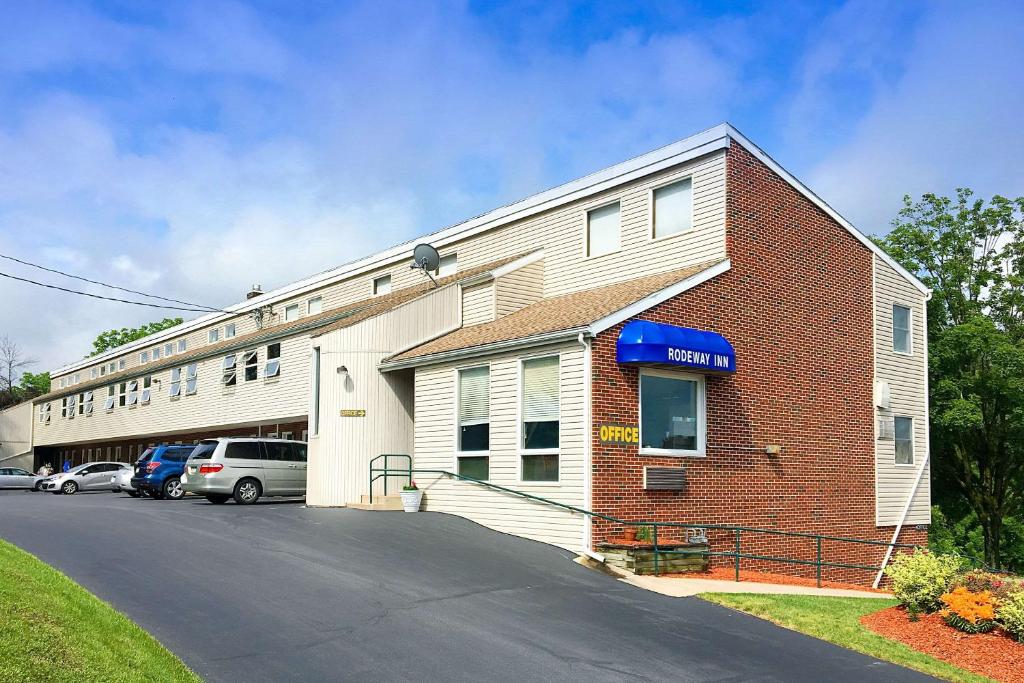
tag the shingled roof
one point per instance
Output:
(321, 323)
(566, 312)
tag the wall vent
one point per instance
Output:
(664, 478)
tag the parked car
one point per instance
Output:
(121, 482)
(246, 469)
(17, 478)
(92, 476)
(158, 472)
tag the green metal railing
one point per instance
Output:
(737, 553)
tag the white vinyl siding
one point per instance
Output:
(603, 227)
(519, 289)
(436, 392)
(478, 304)
(906, 375)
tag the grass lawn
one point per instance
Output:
(51, 629)
(837, 620)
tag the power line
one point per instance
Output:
(110, 298)
(104, 284)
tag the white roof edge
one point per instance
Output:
(764, 158)
(681, 151)
(483, 349)
(662, 295)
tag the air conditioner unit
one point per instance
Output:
(882, 395)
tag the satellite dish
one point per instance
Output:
(426, 258)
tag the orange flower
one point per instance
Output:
(971, 607)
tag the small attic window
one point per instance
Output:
(447, 265)
(382, 284)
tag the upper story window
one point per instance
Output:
(93, 372)
(108, 404)
(143, 357)
(382, 284)
(103, 370)
(672, 208)
(229, 374)
(901, 329)
(315, 305)
(122, 394)
(213, 336)
(229, 330)
(168, 349)
(87, 403)
(903, 432)
(251, 359)
(182, 345)
(156, 353)
(540, 412)
(447, 265)
(671, 413)
(120, 365)
(273, 365)
(78, 377)
(174, 389)
(191, 379)
(291, 312)
(147, 390)
(603, 230)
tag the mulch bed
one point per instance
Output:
(995, 654)
(726, 574)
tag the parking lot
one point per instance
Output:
(277, 591)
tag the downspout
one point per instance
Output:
(588, 435)
(927, 452)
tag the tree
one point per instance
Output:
(114, 338)
(35, 384)
(971, 254)
(11, 363)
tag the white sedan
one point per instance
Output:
(17, 478)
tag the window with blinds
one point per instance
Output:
(540, 417)
(474, 409)
(673, 208)
(603, 230)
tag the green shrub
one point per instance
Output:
(999, 585)
(1010, 613)
(920, 578)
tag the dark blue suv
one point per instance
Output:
(158, 471)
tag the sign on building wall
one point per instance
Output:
(619, 434)
(642, 341)
(353, 413)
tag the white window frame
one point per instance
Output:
(309, 305)
(651, 237)
(182, 345)
(147, 392)
(92, 373)
(586, 227)
(155, 353)
(143, 357)
(291, 313)
(521, 437)
(895, 441)
(174, 386)
(120, 364)
(168, 350)
(230, 331)
(274, 363)
(213, 335)
(702, 414)
(379, 279)
(133, 393)
(456, 444)
(910, 329)
(446, 260)
(191, 379)
(111, 400)
(229, 370)
(87, 402)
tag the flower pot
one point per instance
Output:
(629, 533)
(411, 500)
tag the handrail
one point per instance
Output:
(737, 553)
(385, 472)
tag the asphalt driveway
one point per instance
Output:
(280, 592)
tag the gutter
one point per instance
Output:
(496, 347)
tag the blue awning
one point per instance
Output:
(642, 341)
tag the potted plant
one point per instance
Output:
(629, 533)
(412, 496)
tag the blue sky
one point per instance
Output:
(193, 148)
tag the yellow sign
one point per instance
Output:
(623, 434)
(353, 413)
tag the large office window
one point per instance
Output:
(672, 208)
(671, 414)
(903, 430)
(603, 227)
(474, 429)
(900, 329)
(540, 419)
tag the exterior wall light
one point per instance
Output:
(342, 370)
(773, 449)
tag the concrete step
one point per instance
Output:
(389, 502)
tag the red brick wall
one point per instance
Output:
(796, 306)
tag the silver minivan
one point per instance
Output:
(245, 469)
